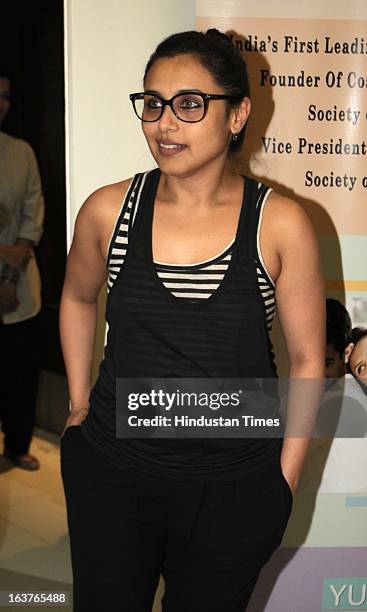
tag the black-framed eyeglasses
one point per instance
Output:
(190, 106)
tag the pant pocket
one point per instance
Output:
(77, 462)
(68, 430)
(245, 519)
(75, 456)
(287, 490)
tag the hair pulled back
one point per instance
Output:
(219, 56)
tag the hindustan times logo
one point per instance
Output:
(165, 400)
(344, 594)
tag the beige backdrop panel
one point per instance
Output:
(288, 9)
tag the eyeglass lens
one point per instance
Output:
(188, 107)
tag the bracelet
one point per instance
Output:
(7, 280)
(10, 273)
(77, 410)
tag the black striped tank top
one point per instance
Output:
(195, 281)
(216, 333)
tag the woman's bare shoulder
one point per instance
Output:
(282, 208)
(286, 220)
(97, 216)
(106, 199)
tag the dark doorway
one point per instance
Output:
(32, 50)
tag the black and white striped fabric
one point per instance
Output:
(196, 281)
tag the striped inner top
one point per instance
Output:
(195, 281)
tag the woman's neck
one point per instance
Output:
(201, 190)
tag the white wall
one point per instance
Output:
(107, 45)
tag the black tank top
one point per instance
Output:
(154, 334)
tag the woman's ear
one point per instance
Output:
(347, 352)
(240, 115)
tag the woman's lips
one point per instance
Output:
(170, 148)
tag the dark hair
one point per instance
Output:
(219, 56)
(338, 325)
(357, 334)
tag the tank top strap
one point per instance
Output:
(129, 200)
(255, 193)
(144, 201)
(263, 192)
(138, 197)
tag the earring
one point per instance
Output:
(235, 137)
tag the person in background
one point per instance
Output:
(337, 459)
(338, 345)
(21, 227)
(341, 413)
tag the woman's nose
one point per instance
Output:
(168, 119)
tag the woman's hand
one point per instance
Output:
(8, 297)
(76, 417)
(16, 255)
(292, 459)
(292, 483)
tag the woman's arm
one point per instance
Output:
(300, 297)
(86, 272)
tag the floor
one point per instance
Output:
(34, 541)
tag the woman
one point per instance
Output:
(190, 289)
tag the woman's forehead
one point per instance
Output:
(178, 73)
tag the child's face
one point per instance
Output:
(358, 360)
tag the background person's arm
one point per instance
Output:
(17, 255)
(300, 298)
(16, 258)
(33, 208)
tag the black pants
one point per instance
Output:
(20, 362)
(209, 540)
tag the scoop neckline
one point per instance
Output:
(211, 260)
(187, 302)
